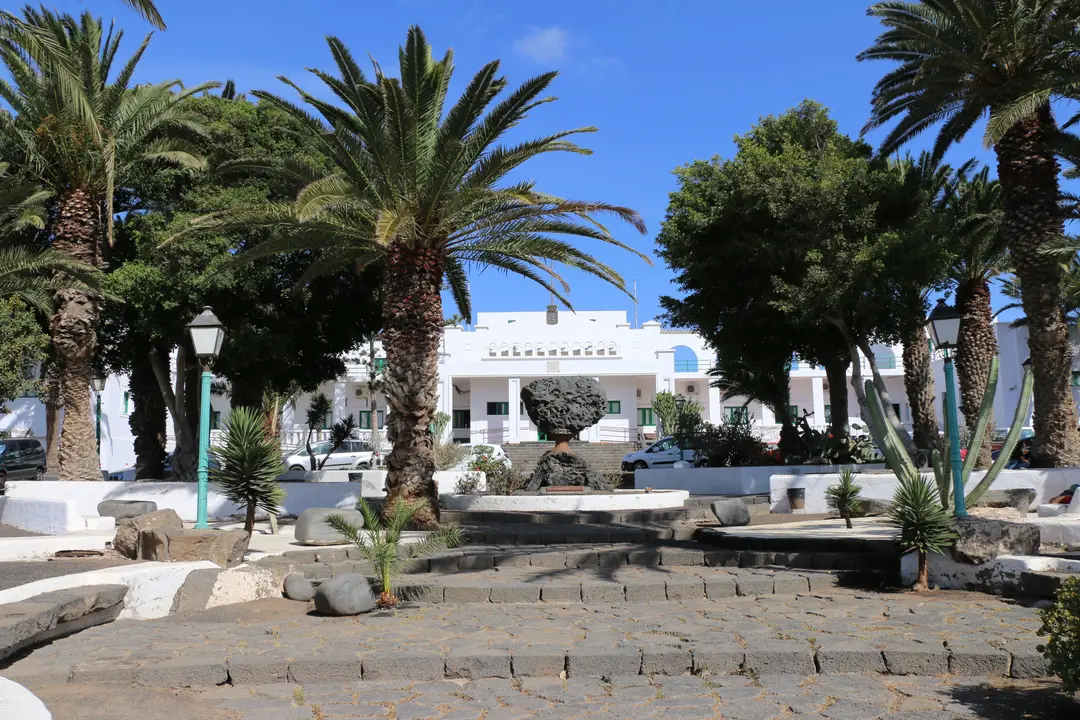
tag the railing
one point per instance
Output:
(693, 365)
(293, 439)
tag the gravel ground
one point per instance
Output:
(13, 574)
(9, 531)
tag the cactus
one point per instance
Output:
(941, 475)
(895, 454)
(985, 408)
(1010, 440)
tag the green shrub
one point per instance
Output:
(1062, 624)
(844, 496)
(380, 537)
(248, 464)
(924, 525)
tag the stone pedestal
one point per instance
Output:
(129, 530)
(561, 408)
(982, 540)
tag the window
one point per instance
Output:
(380, 364)
(736, 413)
(461, 419)
(382, 419)
(896, 409)
(793, 412)
(215, 419)
(498, 408)
(127, 403)
(328, 420)
(614, 407)
(663, 445)
(364, 419)
(645, 416)
(1076, 378)
(521, 409)
(828, 414)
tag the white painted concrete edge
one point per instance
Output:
(45, 546)
(18, 703)
(151, 586)
(1003, 572)
(51, 516)
(614, 502)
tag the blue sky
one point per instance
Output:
(666, 82)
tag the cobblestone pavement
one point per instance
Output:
(850, 697)
(277, 640)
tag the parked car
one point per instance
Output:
(128, 473)
(353, 454)
(21, 459)
(662, 453)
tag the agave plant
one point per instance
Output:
(248, 464)
(900, 463)
(844, 496)
(925, 526)
(380, 541)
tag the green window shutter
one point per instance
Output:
(793, 412)
(498, 408)
(828, 414)
(215, 419)
(645, 416)
(614, 407)
(734, 413)
(364, 419)
(127, 402)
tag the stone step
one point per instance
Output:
(51, 615)
(706, 501)
(596, 517)
(1042, 584)
(791, 545)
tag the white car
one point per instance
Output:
(353, 454)
(662, 453)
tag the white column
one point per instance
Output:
(340, 400)
(768, 417)
(446, 405)
(715, 409)
(513, 434)
(593, 433)
(819, 400)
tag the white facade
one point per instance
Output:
(482, 371)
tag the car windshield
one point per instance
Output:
(664, 444)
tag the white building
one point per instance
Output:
(482, 371)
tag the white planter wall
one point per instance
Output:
(882, 486)
(747, 480)
(84, 497)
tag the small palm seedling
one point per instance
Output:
(924, 525)
(248, 464)
(379, 540)
(844, 496)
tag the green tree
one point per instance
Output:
(78, 129)
(21, 352)
(925, 526)
(422, 191)
(757, 372)
(248, 464)
(958, 62)
(282, 339)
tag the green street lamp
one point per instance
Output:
(97, 381)
(207, 335)
(944, 327)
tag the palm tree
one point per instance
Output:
(759, 380)
(421, 189)
(974, 227)
(148, 10)
(960, 61)
(79, 134)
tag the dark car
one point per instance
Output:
(21, 459)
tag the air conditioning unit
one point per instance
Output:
(691, 389)
(359, 392)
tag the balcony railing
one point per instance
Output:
(693, 365)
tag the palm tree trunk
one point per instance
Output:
(836, 374)
(52, 416)
(1032, 220)
(923, 583)
(77, 232)
(974, 353)
(412, 318)
(919, 387)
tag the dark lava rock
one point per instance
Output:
(564, 405)
(554, 469)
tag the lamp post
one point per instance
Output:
(97, 381)
(207, 334)
(944, 327)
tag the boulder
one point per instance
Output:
(311, 527)
(347, 594)
(298, 587)
(874, 507)
(554, 469)
(981, 540)
(224, 548)
(121, 509)
(129, 530)
(731, 512)
(1019, 498)
(564, 405)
